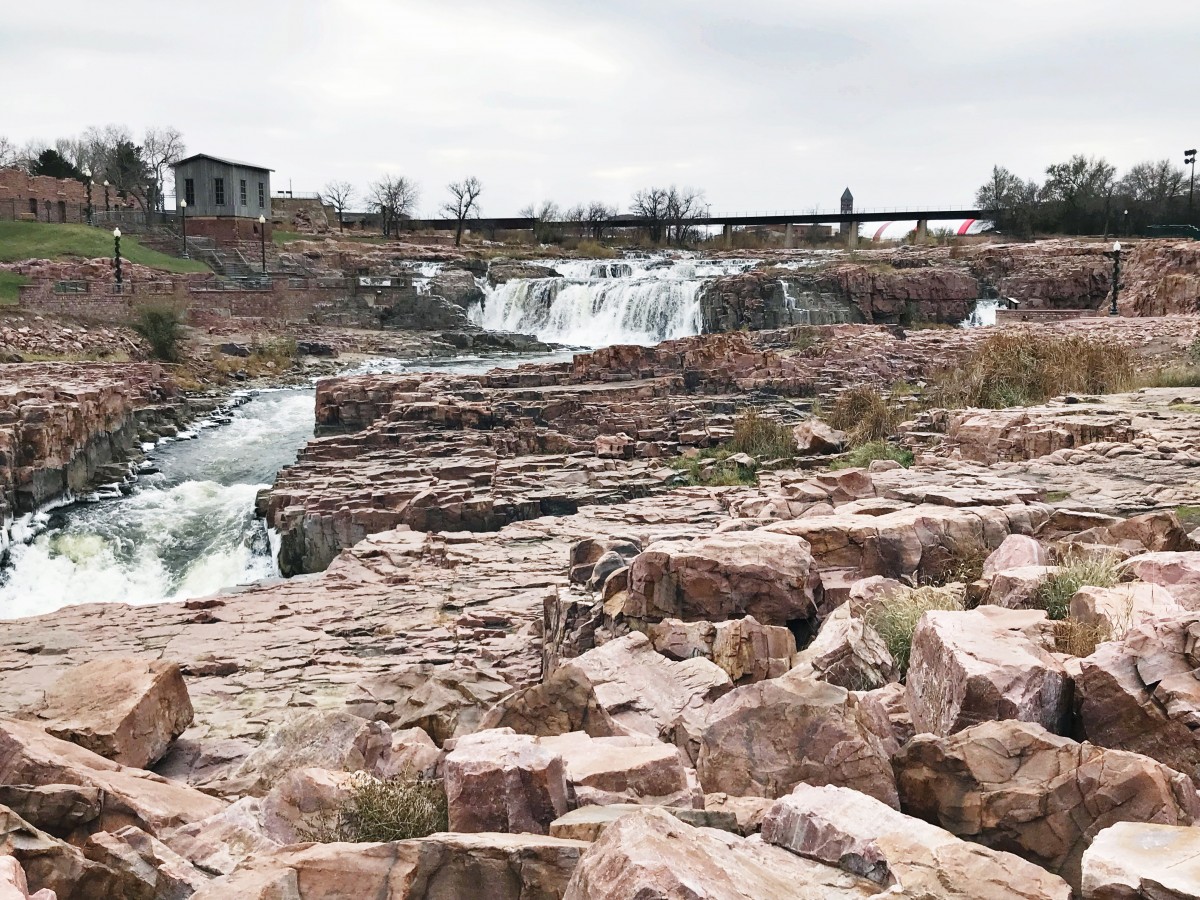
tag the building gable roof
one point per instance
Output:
(225, 160)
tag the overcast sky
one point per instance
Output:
(764, 104)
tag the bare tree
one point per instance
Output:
(9, 154)
(339, 194)
(683, 205)
(650, 204)
(598, 214)
(161, 149)
(393, 198)
(464, 200)
(545, 221)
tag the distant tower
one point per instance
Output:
(847, 202)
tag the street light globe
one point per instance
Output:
(87, 173)
(106, 182)
(1116, 246)
(183, 204)
(262, 220)
(116, 232)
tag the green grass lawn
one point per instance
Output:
(9, 285)
(42, 240)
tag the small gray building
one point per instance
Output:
(224, 197)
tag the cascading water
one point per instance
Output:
(183, 531)
(596, 303)
(186, 527)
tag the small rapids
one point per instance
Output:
(184, 531)
(597, 303)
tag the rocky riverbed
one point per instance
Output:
(627, 685)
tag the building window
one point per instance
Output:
(219, 191)
(262, 196)
(189, 191)
(242, 193)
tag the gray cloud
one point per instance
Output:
(766, 104)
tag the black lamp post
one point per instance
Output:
(183, 219)
(117, 256)
(1189, 159)
(262, 241)
(1116, 257)
(87, 173)
(107, 206)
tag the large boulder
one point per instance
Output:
(815, 436)
(13, 885)
(857, 833)
(633, 769)
(1135, 861)
(848, 652)
(127, 796)
(219, 843)
(48, 864)
(621, 688)
(746, 650)
(1115, 610)
(1014, 786)
(976, 666)
(1017, 588)
(444, 701)
(326, 739)
(301, 800)
(438, 867)
(126, 709)
(1141, 694)
(725, 576)
(498, 780)
(763, 739)
(143, 867)
(1179, 573)
(1015, 551)
(652, 854)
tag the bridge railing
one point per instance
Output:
(866, 210)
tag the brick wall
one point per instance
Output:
(226, 229)
(41, 198)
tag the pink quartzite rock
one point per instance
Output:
(725, 576)
(498, 780)
(1179, 573)
(1119, 608)
(763, 739)
(300, 799)
(621, 688)
(13, 885)
(1142, 694)
(438, 867)
(1134, 861)
(1015, 551)
(849, 653)
(844, 828)
(128, 710)
(325, 739)
(1015, 786)
(746, 650)
(968, 667)
(127, 796)
(651, 854)
(1017, 588)
(814, 436)
(143, 866)
(635, 769)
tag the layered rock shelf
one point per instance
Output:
(62, 424)
(974, 677)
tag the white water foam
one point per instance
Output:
(596, 303)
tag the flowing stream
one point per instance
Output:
(186, 528)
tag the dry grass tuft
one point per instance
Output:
(864, 415)
(1054, 596)
(761, 437)
(896, 618)
(1077, 639)
(1024, 368)
(394, 809)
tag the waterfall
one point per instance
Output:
(596, 303)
